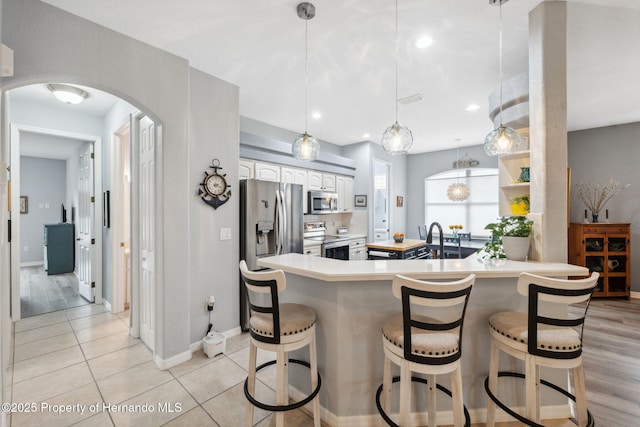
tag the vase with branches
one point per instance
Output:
(595, 197)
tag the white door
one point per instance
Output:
(381, 200)
(85, 226)
(146, 146)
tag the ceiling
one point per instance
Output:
(259, 46)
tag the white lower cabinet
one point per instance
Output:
(357, 250)
(315, 250)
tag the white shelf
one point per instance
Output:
(515, 155)
(516, 186)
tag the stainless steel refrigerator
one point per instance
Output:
(271, 223)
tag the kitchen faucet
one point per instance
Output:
(430, 238)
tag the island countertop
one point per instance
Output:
(352, 300)
(392, 245)
(333, 270)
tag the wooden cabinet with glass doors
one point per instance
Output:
(604, 248)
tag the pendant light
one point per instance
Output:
(503, 139)
(306, 147)
(458, 192)
(397, 139)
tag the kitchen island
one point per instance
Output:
(352, 299)
(390, 249)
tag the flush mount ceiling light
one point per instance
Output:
(68, 94)
(306, 147)
(458, 192)
(503, 139)
(397, 139)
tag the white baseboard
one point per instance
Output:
(635, 294)
(172, 361)
(32, 264)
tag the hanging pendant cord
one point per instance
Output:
(500, 60)
(306, 76)
(396, 99)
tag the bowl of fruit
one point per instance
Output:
(398, 237)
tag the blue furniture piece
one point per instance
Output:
(58, 248)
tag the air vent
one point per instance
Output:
(411, 99)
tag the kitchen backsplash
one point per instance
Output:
(355, 221)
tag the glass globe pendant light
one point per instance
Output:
(306, 147)
(458, 192)
(397, 139)
(503, 139)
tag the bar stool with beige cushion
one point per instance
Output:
(278, 328)
(540, 339)
(426, 338)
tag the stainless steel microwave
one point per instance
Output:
(322, 202)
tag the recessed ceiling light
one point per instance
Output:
(316, 115)
(68, 94)
(366, 135)
(424, 42)
(473, 107)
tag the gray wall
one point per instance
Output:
(213, 263)
(43, 181)
(599, 155)
(52, 45)
(420, 166)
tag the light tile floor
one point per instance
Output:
(85, 358)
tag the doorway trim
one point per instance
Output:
(117, 224)
(16, 130)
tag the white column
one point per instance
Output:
(548, 129)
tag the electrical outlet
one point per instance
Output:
(210, 300)
(26, 248)
(225, 233)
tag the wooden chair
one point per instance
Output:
(279, 328)
(541, 340)
(426, 345)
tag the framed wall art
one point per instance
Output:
(360, 201)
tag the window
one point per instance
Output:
(473, 214)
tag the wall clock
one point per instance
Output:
(214, 189)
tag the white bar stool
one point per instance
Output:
(541, 340)
(279, 328)
(429, 345)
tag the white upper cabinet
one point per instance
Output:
(245, 171)
(329, 182)
(314, 180)
(267, 172)
(319, 181)
(344, 188)
(296, 176)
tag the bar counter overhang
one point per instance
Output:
(353, 298)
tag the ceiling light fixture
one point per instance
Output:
(68, 94)
(458, 192)
(317, 115)
(503, 139)
(306, 147)
(473, 107)
(397, 139)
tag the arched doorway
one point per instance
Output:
(108, 122)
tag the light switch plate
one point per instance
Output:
(225, 233)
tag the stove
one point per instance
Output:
(332, 246)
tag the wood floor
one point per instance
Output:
(611, 358)
(40, 293)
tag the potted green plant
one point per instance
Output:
(510, 238)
